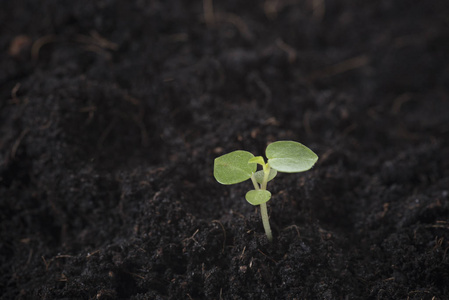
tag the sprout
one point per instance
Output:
(239, 166)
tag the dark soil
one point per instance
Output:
(112, 113)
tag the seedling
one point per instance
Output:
(239, 166)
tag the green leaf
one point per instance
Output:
(257, 160)
(256, 197)
(259, 175)
(290, 157)
(233, 167)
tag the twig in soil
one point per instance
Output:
(177, 37)
(91, 113)
(349, 129)
(99, 51)
(417, 292)
(192, 237)
(138, 119)
(319, 9)
(243, 252)
(344, 66)
(441, 224)
(18, 141)
(92, 253)
(389, 279)
(209, 16)
(405, 134)
(267, 256)
(254, 76)
(134, 274)
(39, 43)
(102, 42)
(224, 233)
(399, 101)
(324, 234)
(96, 43)
(14, 98)
(237, 22)
(105, 134)
(95, 39)
(62, 256)
(293, 227)
(48, 263)
(438, 242)
(326, 155)
(291, 52)
(63, 278)
(30, 255)
(272, 7)
(220, 71)
(384, 212)
(271, 121)
(239, 214)
(18, 44)
(306, 123)
(211, 19)
(49, 122)
(105, 294)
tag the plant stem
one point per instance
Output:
(265, 221)
(263, 206)
(253, 179)
(266, 173)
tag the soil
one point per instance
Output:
(112, 113)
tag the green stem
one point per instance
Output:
(253, 179)
(266, 173)
(266, 221)
(263, 206)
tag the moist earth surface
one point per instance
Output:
(112, 113)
